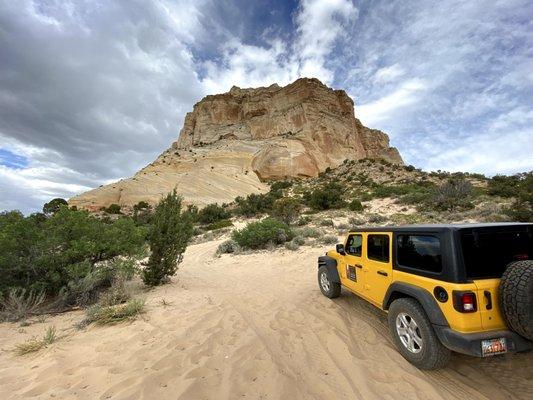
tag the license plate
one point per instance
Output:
(491, 347)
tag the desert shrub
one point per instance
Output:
(355, 205)
(376, 218)
(343, 226)
(329, 239)
(47, 255)
(308, 232)
(141, 205)
(327, 197)
(455, 194)
(355, 221)
(109, 315)
(504, 186)
(303, 221)
(292, 245)
(225, 223)
(409, 168)
(19, 304)
(326, 222)
(212, 213)
(261, 234)
(227, 247)
(256, 204)
(286, 209)
(53, 206)
(117, 292)
(521, 211)
(113, 209)
(169, 235)
(299, 240)
(280, 185)
(142, 213)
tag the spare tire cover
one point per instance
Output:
(516, 297)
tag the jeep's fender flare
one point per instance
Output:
(331, 267)
(425, 298)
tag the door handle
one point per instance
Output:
(358, 265)
(384, 273)
(489, 300)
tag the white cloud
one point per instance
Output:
(319, 25)
(407, 94)
(388, 74)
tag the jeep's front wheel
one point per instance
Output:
(414, 336)
(328, 288)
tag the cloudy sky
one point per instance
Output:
(91, 91)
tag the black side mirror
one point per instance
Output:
(339, 248)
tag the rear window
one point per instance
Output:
(486, 253)
(420, 252)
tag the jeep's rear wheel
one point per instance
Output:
(516, 297)
(328, 288)
(414, 336)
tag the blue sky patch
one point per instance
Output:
(12, 160)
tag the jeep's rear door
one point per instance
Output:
(352, 268)
(486, 252)
(488, 305)
(377, 266)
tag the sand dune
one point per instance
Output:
(244, 327)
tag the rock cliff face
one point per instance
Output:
(231, 144)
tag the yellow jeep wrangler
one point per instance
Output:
(464, 288)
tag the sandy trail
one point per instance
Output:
(249, 326)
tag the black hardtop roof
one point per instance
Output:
(439, 227)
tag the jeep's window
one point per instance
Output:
(378, 247)
(420, 252)
(354, 245)
(486, 252)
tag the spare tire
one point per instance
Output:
(516, 297)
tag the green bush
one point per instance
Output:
(286, 209)
(256, 204)
(280, 185)
(169, 235)
(521, 211)
(327, 197)
(229, 246)
(257, 235)
(303, 221)
(504, 186)
(212, 213)
(355, 205)
(113, 209)
(455, 194)
(329, 239)
(53, 206)
(51, 253)
(226, 223)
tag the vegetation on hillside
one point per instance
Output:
(64, 257)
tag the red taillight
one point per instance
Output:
(464, 302)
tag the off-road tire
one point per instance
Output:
(432, 355)
(516, 297)
(334, 287)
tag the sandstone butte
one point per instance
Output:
(233, 144)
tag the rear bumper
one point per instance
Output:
(470, 343)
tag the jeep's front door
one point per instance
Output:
(352, 271)
(377, 266)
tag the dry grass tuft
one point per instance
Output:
(109, 315)
(34, 345)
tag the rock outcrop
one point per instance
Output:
(231, 144)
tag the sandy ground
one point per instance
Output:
(244, 327)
